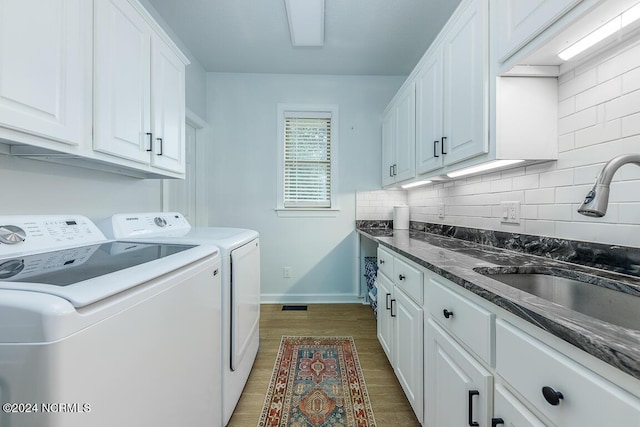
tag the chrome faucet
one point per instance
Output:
(596, 201)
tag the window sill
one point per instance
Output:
(307, 212)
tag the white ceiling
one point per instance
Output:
(362, 37)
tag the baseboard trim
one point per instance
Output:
(310, 299)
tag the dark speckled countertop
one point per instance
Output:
(455, 259)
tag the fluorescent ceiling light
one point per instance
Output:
(415, 184)
(483, 167)
(629, 16)
(306, 22)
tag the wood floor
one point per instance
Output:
(389, 403)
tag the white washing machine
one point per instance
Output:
(105, 333)
(240, 253)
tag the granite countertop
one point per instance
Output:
(455, 259)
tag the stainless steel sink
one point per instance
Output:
(573, 290)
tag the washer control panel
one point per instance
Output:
(36, 233)
(137, 225)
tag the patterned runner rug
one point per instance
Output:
(317, 381)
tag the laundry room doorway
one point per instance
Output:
(187, 195)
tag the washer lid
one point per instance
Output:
(86, 274)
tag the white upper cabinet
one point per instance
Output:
(429, 105)
(139, 90)
(465, 90)
(95, 84)
(451, 94)
(122, 91)
(168, 120)
(519, 21)
(388, 147)
(45, 68)
(398, 137)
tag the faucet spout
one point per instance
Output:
(596, 202)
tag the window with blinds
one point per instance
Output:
(307, 160)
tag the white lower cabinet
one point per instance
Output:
(566, 393)
(508, 411)
(400, 325)
(458, 389)
(385, 321)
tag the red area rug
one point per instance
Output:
(317, 381)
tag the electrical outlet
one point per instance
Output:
(441, 210)
(286, 272)
(510, 212)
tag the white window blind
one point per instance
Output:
(307, 160)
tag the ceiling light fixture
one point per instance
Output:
(306, 22)
(616, 24)
(415, 184)
(483, 167)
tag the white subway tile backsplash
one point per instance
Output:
(599, 94)
(631, 81)
(587, 174)
(578, 84)
(631, 124)
(566, 142)
(623, 106)
(624, 61)
(540, 228)
(556, 212)
(540, 196)
(557, 178)
(598, 118)
(602, 132)
(580, 120)
(526, 182)
(567, 106)
(501, 185)
(629, 213)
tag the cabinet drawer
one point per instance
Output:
(385, 262)
(409, 279)
(587, 399)
(472, 324)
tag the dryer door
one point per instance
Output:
(245, 299)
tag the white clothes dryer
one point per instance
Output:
(240, 258)
(105, 333)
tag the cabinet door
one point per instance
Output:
(429, 104)
(465, 84)
(519, 21)
(408, 347)
(45, 72)
(457, 388)
(168, 108)
(512, 413)
(385, 322)
(122, 80)
(388, 148)
(405, 135)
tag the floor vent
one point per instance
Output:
(294, 308)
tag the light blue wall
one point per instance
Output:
(242, 180)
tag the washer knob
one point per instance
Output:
(160, 222)
(11, 234)
(11, 268)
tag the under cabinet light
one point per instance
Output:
(616, 24)
(306, 22)
(483, 167)
(415, 184)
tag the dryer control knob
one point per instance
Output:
(11, 234)
(160, 222)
